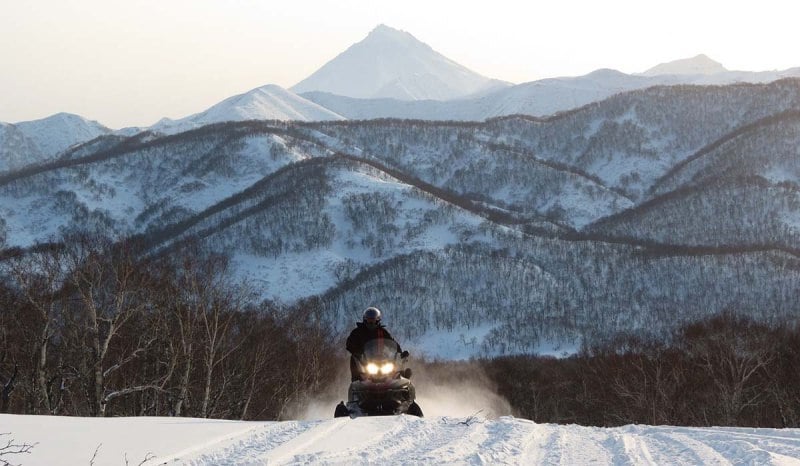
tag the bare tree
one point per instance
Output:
(8, 447)
(8, 387)
(215, 305)
(109, 287)
(733, 353)
(202, 305)
(98, 330)
(180, 284)
(39, 280)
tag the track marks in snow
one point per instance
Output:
(748, 446)
(250, 447)
(342, 441)
(572, 444)
(507, 438)
(445, 442)
(536, 446)
(638, 445)
(411, 440)
(678, 448)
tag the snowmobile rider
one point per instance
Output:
(370, 328)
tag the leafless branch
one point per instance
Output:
(135, 354)
(94, 456)
(147, 458)
(11, 448)
(472, 418)
(127, 391)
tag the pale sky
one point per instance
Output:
(132, 62)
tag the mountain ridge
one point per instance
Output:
(268, 102)
(698, 65)
(37, 141)
(484, 225)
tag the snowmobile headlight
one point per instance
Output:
(387, 368)
(372, 368)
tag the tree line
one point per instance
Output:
(726, 370)
(91, 328)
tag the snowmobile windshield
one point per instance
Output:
(380, 348)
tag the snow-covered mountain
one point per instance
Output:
(268, 102)
(702, 70)
(580, 138)
(342, 88)
(445, 439)
(38, 140)
(56, 133)
(700, 64)
(390, 74)
(537, 98)
(423, 216)
(752, 192)
(16, 149)
(390, 63)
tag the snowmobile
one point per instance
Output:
(385, 388)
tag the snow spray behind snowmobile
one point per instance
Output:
(385, 388)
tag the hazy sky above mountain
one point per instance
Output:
(132, 62)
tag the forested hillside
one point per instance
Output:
(639, 213)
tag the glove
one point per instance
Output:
(404, 354)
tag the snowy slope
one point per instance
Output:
(394, 64)
(268, 102)
(703, 70)
(384, 227)
(742, 154)
(38, 140)
(16, 149)
(538, 98)
(387, 440)
(746, 183)
(132, 194)
(549, 96)
(701, 64)
(352, 242)
(58, 132)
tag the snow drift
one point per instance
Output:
(386, 440)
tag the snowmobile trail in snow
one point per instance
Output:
(400, 439)
(411, 440)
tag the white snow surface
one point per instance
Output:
(386, 440)
(35, 141)
(270, 102)
(390, 63)
(700, 64)
(58, 132)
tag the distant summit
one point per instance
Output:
(699, 65)
(390, 63)
(270, 102)
(58, 132)
(36, 141)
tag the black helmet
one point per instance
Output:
(372, 315)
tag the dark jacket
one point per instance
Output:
(361, 335)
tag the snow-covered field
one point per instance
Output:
(386, 440)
